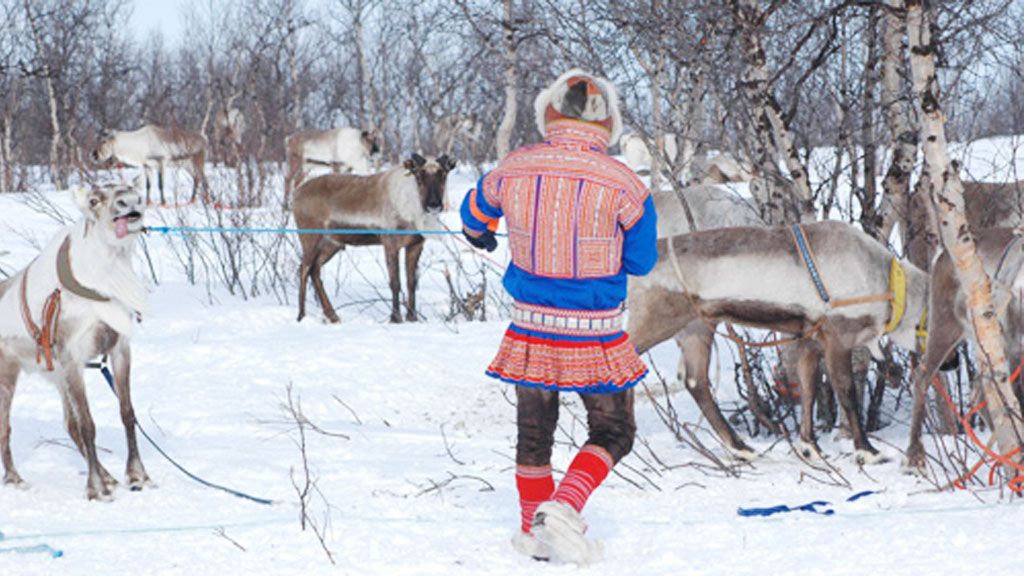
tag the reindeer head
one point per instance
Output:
(431, 179)
(371, 141)
(104, 147)
(114, 210)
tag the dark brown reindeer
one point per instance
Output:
(754, 276)
(1002, 254)
(402, 198)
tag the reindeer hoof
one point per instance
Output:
(396, 319)
(808, 451)
(100, 495)
(11, 478)
(913, 463)
(869, 457)
(743, 454)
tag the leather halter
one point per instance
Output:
(45, 335)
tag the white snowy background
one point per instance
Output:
(416, 476)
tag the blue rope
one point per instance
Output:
(110, 381)
(801, 244)
(809, 507)
(322, 231)
(37, 549)
(53, 552)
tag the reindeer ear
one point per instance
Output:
(419, 160)
(81, 196)
(409, 165)
(446, 162)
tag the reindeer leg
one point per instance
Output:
(391, 249)
(8, 382)
(941, 343)
(121, 360)
(695, 341)
(97, 486)
(326, 253)
(160, 181)
(309, 255)
(149, 184)
(839, 362)
(412, 259)
(808, 358)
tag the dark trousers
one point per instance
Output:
(609, 420)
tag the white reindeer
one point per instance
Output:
(156, 147)
(77, 300)
(343, 150)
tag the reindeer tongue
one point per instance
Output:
(121, 227)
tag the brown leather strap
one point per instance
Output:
(67, 278)
(840, 302)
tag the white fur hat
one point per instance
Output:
(601, 104)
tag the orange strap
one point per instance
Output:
(840, 302)
(44, 337)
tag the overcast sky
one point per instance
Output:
(163, 15)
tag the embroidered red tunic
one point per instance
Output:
(578, 221)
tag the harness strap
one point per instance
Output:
(67, 278)
(44, 337)
(805, 252)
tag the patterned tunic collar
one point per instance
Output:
(579, 135)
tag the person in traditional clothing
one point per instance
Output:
(578, 222)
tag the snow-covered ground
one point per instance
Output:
(416, 473)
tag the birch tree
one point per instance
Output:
(771, 130)
(946, 191)
(902, 132)
(503, 141)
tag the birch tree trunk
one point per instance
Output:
(503, 139)
(56, 172)
(869, 216)
(767, 116)
(947, 192)
(902, 133)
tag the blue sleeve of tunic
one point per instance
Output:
(640, 245)
(477, 214)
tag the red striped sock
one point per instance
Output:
(535, 485)
(587, 471)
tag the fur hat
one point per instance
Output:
(582, 96)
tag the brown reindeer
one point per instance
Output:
(1002, 255)
(755, 276)
(402, 198)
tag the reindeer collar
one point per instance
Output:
(67, 277)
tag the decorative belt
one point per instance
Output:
(569, 322)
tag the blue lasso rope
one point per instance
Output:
(110, 381)
(36, 549)
(809, 507)
(321, 231)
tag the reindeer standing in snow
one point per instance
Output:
(77, 300)
(343, 150)
(402, 198)
(756, 277)
(156, 147)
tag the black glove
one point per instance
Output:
(485, 241)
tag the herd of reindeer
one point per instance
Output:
(826, 285)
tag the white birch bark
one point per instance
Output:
(767, 117)
(947, 192)
(503, 139)
(902, 132)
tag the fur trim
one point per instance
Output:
(553, 94)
